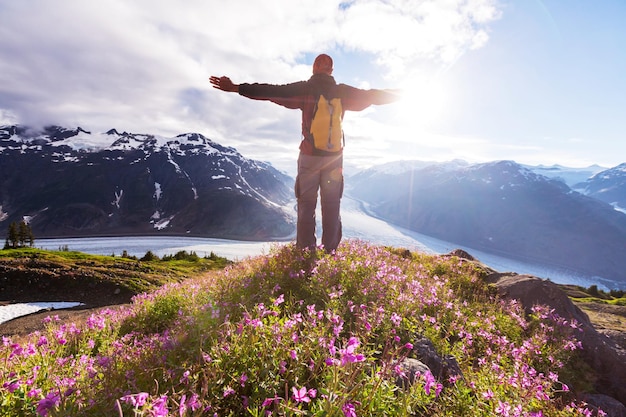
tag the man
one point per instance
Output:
(318, 169)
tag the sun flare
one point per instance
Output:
(422, 103)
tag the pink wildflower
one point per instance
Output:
(46, 404)
(269, 401)
(279, 300)
(159, 407)
(487, 395)
(136, 400)
(185, 378)
(182, 407)
(35, 392)
(303, 395)
(347, 354)
(193, 402)
(503, 408)
(430, 382)
(11, 386)
(349, 410)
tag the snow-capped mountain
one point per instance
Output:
(608, 185)
(505, 209)
(568, 175)
(70, 182)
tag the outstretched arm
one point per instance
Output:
(357, 99)
(224, 84)
(287, 95)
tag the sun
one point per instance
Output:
(422, 103)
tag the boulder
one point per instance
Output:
(609, 405)
(602, 354)
(411, 370)
(424, 357)
(442, 367)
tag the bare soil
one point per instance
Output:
(607, 319)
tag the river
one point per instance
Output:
(357, 224)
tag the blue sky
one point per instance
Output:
(538, 82)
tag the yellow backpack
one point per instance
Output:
(326, 125)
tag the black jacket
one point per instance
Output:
(303, 95)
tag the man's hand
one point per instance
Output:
(224, 84)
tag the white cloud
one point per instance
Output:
(143, 65)
(402, 32)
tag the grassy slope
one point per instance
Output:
(267, 334)
(75, 269)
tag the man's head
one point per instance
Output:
(323, 64)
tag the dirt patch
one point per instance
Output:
(20, 327)
(607, 319)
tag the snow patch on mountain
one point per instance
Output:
(618, 208)
(118, 199)
(157, 191)
(85, 141)
(162, 224)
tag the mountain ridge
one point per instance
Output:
(139, 184)
(503, 208)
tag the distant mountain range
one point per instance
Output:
(506, 209)
(608, 186)
(67, 184)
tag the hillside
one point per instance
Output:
(367, 331)
(70, 182)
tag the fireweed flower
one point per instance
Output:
(279, 300)
(136, 400)
(185, 378)
(193, 402)
(348, 355)
(11, 386)
(503, 408)
(159, 407)
(303, 395)
(269, 401)
(48, 403)
(349, 410)
(430, 382)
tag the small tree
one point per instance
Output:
(19, 235)
(26, 236)
(13, 236)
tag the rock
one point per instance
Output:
(460, 253)
(412, 369)
(609, 405)
(442, 368)
(600, 352)
(427, 360)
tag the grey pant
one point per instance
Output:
(323, 173)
